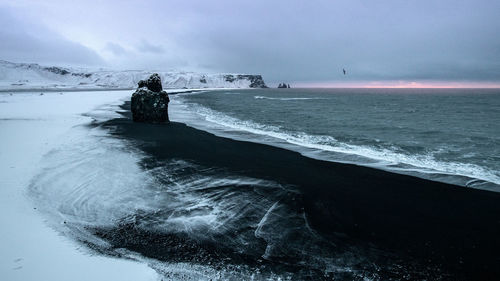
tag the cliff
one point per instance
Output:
(23, 76)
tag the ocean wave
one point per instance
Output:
(201, 222)
(285, 99)
(392, 159)
(92, 187)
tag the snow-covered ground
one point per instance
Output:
(23, 76)
(31, 126)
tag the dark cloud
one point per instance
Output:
(24, 41)
(290, 40)
(389, 40)
(115, 49)
(147, 47)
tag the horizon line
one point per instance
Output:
(400, 84)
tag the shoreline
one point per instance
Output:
(380, 223)
(32, 249)
(408, 219)
(236, 129)
(168, 90)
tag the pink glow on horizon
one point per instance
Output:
(398, 84)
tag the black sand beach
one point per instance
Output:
(406, 228)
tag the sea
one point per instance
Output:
(447, 135)
(194, 206)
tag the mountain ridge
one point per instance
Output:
(31, 76)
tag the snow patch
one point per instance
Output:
(22, 76)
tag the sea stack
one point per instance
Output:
(149, 102)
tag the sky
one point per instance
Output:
(379, 43)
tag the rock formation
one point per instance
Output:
(149, 102)
(256, 81)
(283, 85)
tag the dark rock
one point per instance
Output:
(86, 75)
(149, 106)
(256, 81)
(154, 83)
(141, 84)
(149, 102)
(61, 71)
(57, 70)
(229, 78)
(283, 85)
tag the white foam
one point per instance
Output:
(91, 179)
(285, 99)
(424, 164)
(32, 125)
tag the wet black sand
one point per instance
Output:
(446, 231)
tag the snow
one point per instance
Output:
(21, 76)
(31, 125)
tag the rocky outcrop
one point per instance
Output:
(283, 85)
(149, 102)
(153, 83)
(57, 70)
(256, 81)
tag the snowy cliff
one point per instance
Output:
(23, 76)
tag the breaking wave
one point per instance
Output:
(328, 148)
(284, 99)
(108, 195)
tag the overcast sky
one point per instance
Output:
(283, 40)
